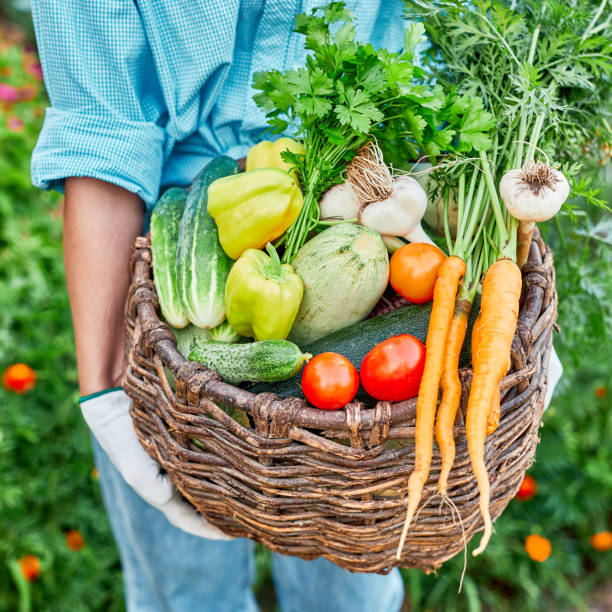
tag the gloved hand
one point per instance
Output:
(109, 419)
(555, 371)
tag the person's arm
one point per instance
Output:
(101, 222)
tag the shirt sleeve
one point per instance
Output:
(107, 113)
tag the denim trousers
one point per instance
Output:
(168, 570)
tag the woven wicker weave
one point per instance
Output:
(312, 483)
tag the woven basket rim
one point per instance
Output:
(304, 415)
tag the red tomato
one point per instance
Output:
(392, 370)
(330, 381)
(528, 488)
(413, 271)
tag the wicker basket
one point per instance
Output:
(310, 482)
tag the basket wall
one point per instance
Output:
(312, 483)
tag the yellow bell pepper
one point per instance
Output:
(262, 296)
(253, 208)
(267, 154)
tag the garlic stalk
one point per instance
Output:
(532, 193)
(400, 214)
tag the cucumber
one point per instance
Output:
(202, 265)
(165, 222)
(356, 341)
(264, 361)
(345, 270)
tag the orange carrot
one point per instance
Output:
(451, 391)
(449, 275)
(494, 413)
(494, 410)
(499, 307)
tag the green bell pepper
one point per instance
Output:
(262, 296)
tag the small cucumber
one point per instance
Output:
(264, 361)
(165, 222)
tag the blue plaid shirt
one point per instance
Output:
(144, 92)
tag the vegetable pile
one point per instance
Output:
(299, 250)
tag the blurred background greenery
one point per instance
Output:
(56, 550)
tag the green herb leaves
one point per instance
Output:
(358, 111)
(346, 93)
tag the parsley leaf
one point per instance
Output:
(357, 111)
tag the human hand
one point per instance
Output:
(109, 419)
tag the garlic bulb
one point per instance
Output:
(340, 202)
(400, 214)
(535, 192)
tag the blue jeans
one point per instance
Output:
(168, 570)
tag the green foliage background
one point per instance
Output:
(47, 483)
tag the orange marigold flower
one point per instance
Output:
(74, 539)
(30, 567)
(19, 378)
(537, 547)
(528, 488)
(601, 541)
(601, 392)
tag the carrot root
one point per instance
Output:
(501, 291)
(451, 392)
(445, 291)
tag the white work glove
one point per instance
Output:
(108, 417)
(555, 371)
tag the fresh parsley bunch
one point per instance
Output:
(347, 93)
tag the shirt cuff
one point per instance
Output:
(125, 153)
